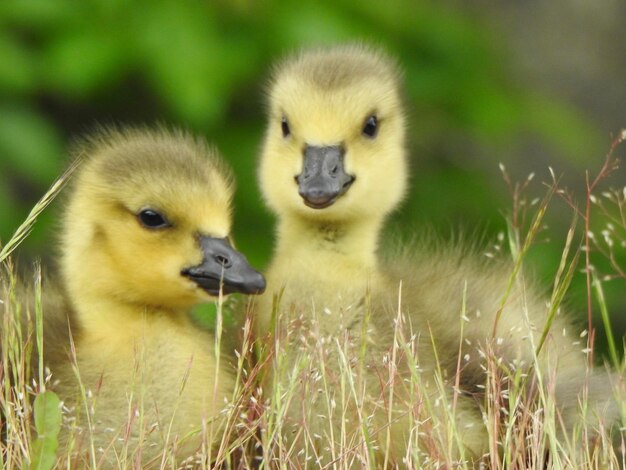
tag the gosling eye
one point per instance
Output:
(284, 125)
(370, 128)
(151, 219)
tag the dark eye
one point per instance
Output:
(284, 125)
(150, 218)
(370, 129)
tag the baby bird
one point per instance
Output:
(146, 235)
(333, 166)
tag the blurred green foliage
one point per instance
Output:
(66, 66)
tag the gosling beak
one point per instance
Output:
(224, 267)
(323, 179)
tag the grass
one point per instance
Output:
(329, 380)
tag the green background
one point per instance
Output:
(67, 66)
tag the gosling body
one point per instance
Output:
(332, 167)
(145, 237)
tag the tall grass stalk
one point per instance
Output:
(604, 314)
(519, 252)
(609, 166)
(14, 399)
(393, 375)
(219, 325)
(562, 281)
(85, 401)
(39, 327)
(25, 228)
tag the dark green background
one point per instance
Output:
(66, 66)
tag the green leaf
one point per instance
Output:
(47, 424)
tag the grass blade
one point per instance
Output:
(597, 285)
(23, 230)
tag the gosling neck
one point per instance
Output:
(309, 242)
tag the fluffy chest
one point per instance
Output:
(163, 378)
(334, 297)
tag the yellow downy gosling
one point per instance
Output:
(145, 237)
(333, 166)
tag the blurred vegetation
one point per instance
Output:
(67, 66)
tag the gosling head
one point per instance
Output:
(334, 146)
(148, 222)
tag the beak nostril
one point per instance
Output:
(333, 170)
(222, 260)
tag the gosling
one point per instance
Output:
(333, 166)
(146, 236)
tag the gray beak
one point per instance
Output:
(224, 267)
(323, 179)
